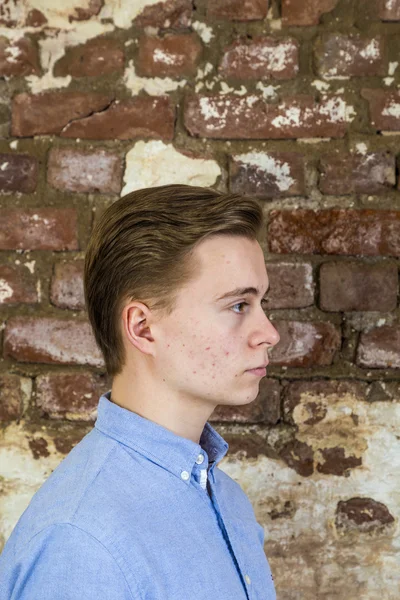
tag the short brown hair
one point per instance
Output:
(142, 249)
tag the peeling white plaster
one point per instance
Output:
(361, 148)
(278, 169)
(5, 290)
(203, 30)
(163, 57)
(155, 163)
(154, 86)
(201, 73)
(292, 117)
(225, 89)
(371, 52)
(388, 80)
(321, 86)
(30, 266)
(392, 67)
(268, 91)
(14, 144)
(393, 110)
(53, 47)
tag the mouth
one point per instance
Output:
(260, 371)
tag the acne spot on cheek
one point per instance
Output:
(226, 353)
(208, 348)
(194, 371)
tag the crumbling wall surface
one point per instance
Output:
(296, 102)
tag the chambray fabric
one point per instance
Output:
(131, 513)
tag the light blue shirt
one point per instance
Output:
(132, 514)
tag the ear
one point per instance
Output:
(136, 318)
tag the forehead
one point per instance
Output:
(226, 262)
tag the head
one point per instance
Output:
(157, 264)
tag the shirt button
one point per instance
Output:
(200, 459)
(247, 578)
(185, 475)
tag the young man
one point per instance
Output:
(139, 510)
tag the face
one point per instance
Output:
(207, 345)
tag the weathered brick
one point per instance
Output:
(318, 394)
(384, 108)
(372, 173)
(362, 515)
(267, 174)
(18, 57)
(82, 14)
(140, 117)
(11, 397)
(305, 12)
(261, 58)
(67, 285)
(238, 10)
(17, 285)
(171, 14)
(250, 117)
(384, 391)
(35, 18)
(299, 456)
(350, 55)
(335, 461)
(18, 173)
(358, 286)
(291, 285)
(264, 409)
(49, 340)
(380, 348)
(76, 170)
(38, 229)
(50, 112)
(336, 231)
(172, 55)
(97, 57)
(58, 394)
(305, 344)
(389, 10)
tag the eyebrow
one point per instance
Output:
(241, 292)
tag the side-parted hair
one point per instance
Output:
(142, 249)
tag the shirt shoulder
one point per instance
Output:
(64, 562)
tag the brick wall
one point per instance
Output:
(294, 101)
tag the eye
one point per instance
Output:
(239, 304)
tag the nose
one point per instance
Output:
(272, 336)
(265, 332)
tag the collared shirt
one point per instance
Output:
(136, 512)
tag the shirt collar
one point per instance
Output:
(171, 451)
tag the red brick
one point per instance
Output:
(347, 232)
(318, 394)
(350, 55)
(18, 173)
(267, 174)
(172, 14)
(363, 515)
(350, 286)
(250, 117)
(48, 340)
(11, 397)
(50, 112)
(172, 55)
(38, 229)
(17, 285)
(305, 12)
(140, 117)
(380, 348)
(291, 285)
(305, 344)
(389, 10)
(97, 57)
(35, 18)
(384, 108)
(238, 10)
(82, 14)
(372, 173)
(75, 170)
(67, 285)
(264, 409)
(18, 58)
(261, 58)
(58, 394)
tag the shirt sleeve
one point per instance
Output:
(64, 562)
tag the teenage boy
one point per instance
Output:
(175, 280)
